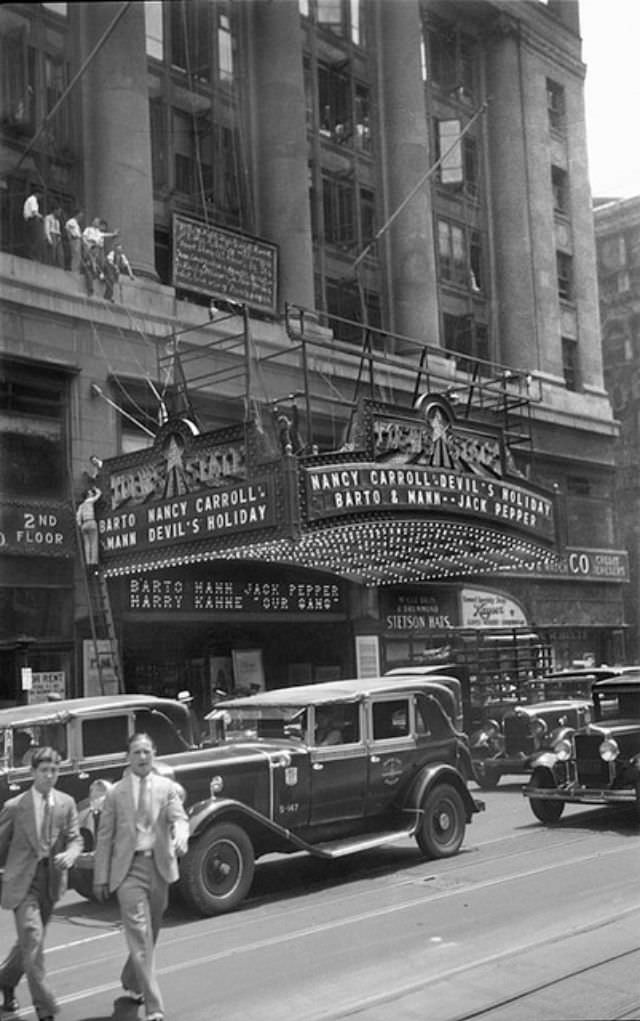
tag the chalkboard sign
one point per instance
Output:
(223, 264)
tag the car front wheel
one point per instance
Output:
(547, 812)
(443, 822)
(217, 871)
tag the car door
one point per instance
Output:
(392, 750)
(339, 770)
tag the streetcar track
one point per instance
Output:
(411, 988)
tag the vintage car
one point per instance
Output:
(546, 708)
(330, 769)
(598, 764)
(91, 737)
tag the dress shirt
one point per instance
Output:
(145, 836)
(31, 208)
(72, 228)
(51, 227)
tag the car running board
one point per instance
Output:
(340, 848)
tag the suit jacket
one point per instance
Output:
(116, 841)
(20, 847)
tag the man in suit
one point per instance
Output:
(39, 841)
(143, 827)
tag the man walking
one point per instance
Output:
(39, 841)
(143, 826)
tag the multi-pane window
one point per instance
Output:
(564, 264)
(556, 108)
(460, 157)
(449, 59)
(225, 48)
(330, 15)
(154, 29)
(339, 211)
(362, 138)
(367, 216)
(460, 255)
(33, 445)
(570, 363)
(466, 337)
(559, 187)
(334, 101)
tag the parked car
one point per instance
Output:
(91, 737)
(599, 764)
(546, 707)
(330, 769)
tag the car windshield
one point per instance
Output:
(233, 724)
(557, 689)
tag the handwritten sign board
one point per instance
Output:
(224, 264)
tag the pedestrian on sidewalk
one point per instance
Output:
(143, 827)
(39, 842)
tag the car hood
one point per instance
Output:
(613, 728)
(222, 753)
(549, 708)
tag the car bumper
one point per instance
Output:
(582, 795)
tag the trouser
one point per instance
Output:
(89, 531)
(75, 247)
(111, 275)
(55, 253)
(27, 955)
(143, 897)
(35, 238)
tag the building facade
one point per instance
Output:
(617, 225)
(324, 203)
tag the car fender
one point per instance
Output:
(546, 760)
(436, 773)
(261, 829)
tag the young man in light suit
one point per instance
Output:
(143, 827)
(39, 841)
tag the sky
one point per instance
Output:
(611, 50)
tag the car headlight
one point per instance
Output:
(562, 749)
(609, 749)
(538, 728)
(216, 786)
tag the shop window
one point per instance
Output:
(154, 29)
(33, 454)
(559, 187)
(556, 109)
(564, 264)
(570, 363)
(339, 211)
(45, 613)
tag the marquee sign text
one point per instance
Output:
(356, 488)
(194, 516)
(220, 595)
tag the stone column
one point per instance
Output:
(514, 284)
(283, 212)
(412, 262)
(115, 124)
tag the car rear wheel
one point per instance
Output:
(443, 822)
(217, 871)
(547, 812)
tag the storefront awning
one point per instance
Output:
(373, 553)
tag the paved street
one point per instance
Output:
(526, 923)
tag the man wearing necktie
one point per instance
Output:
(143, 827)
(39, 841)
